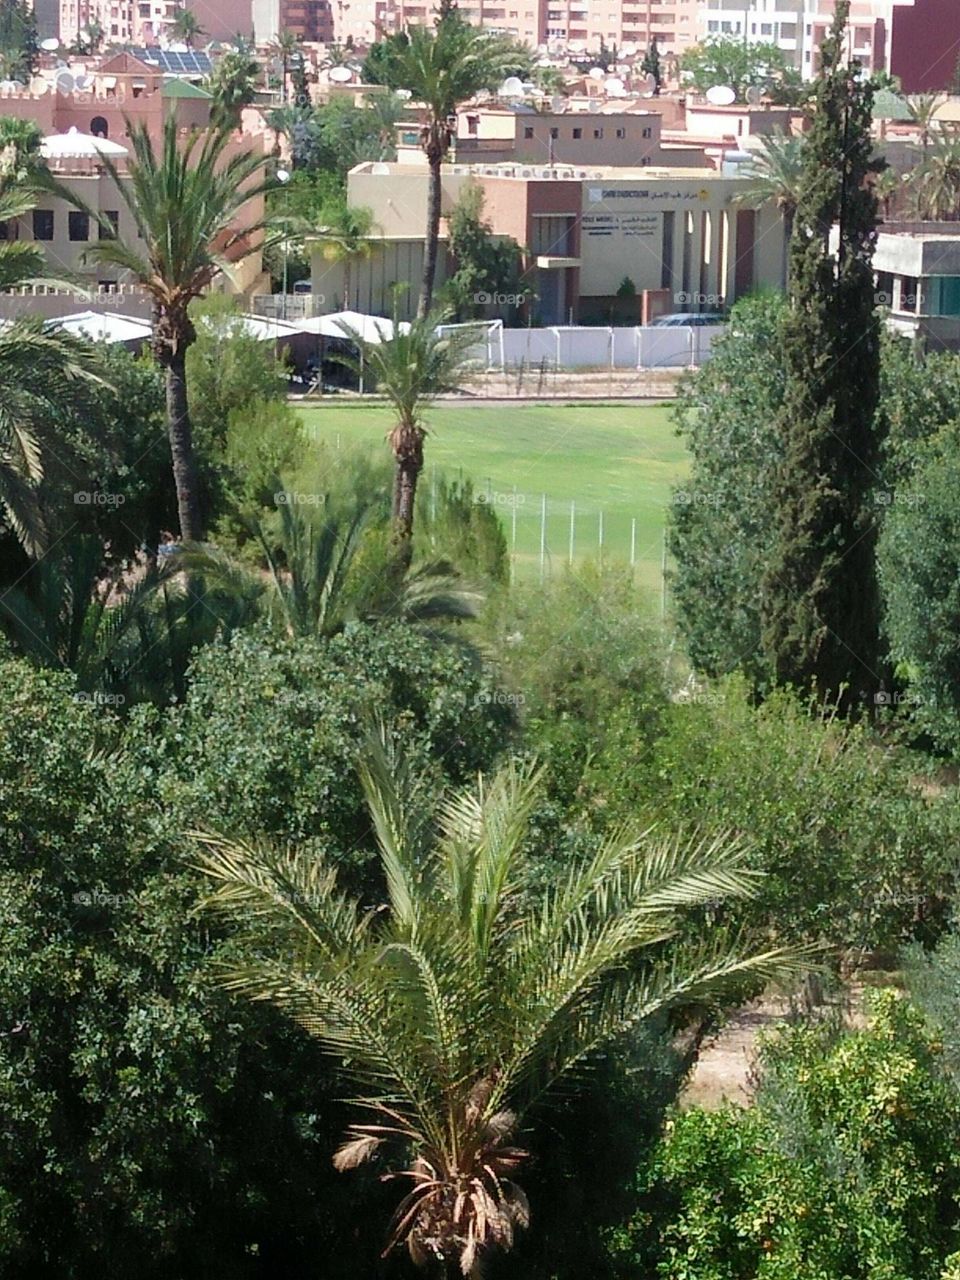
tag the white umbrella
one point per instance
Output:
(73, 143)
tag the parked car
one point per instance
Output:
(688, 319)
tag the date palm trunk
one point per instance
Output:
(407, 444)
(180, 432)
(432, 242)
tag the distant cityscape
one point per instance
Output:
(914, 40)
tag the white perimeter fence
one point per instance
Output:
(588, 347)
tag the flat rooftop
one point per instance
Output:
(529, 172)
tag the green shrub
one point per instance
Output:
(856, 852)
(847, 1168)
(919, 558)
(265, 739)
(150, 1127)
(584, 667)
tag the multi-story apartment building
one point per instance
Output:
(917, 40)
(577, 25)
(310, 20)
(143, 22)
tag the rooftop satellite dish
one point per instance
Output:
(575, 46)
(512, 87)
(65, 82)
(529, 87)
(649, 84)
(283, 175)
(721, 95)
(405, 94)
(754, 94)
(596, 73)
(39, 86)
(51, 45)
(615, 87)
(341, 75)
(81, 81)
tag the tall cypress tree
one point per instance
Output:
(821, 604)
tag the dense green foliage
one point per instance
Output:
(486, 281)
(742, 65)
(150, 1124)
(846, 1168)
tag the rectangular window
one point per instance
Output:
(4, 231)
(554, 133)
(43, 224)
(578, 133)
(78, 225)
(528, 131)
(648, 133)
(598, 133)
(621, 133)
(112, 216)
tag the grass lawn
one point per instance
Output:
(616, 460)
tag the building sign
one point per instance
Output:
(596, 194)
(642, 225)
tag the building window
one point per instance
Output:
(554, 133)
(112, 216)
(578, 133)
(528, 131)
(598, 133)
(78, 225)
(4, 231)
(43, 224)
(99, 127)
(909, 294)
(621, 133)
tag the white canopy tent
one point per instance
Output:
(105, 327)
(374, 329)
(75, 144)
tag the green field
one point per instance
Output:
(616, 460)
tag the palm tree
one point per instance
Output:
(38, 368)
(443, 68)
(233, 84)
(775, 174)
(192, 208)
(346, 236)
(185, 27)
(457, 1002)
(887, 183)
(284, 47)
(935, 182)
(923, 108)
(416, 364)
(311, 588)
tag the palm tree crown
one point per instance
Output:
(185, 26)
(458, 1001)
(195, 209)
(419, 362)
(775, 174)
(37, 366)
(936, 181)
(442, 68)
